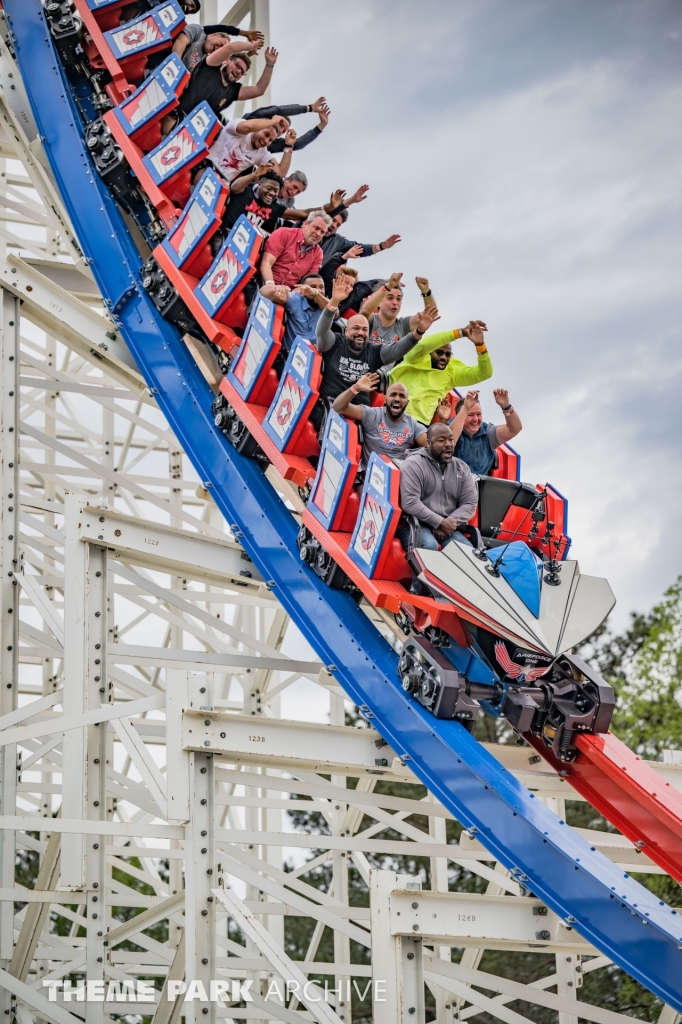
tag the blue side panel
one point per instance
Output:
(229, 268)
(157, 92)
(333, 469)
(198, 222)
(147, 33)
(180, 148)
(293, 394)
(578, 883)
(375, 515)
(257, 344)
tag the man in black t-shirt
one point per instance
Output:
(347, 357)
(216, 79)
(255, 195)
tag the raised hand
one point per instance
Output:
(426, 318)
(501, 396)
(368, 382)
(390, 242)
(317, 106)
(471, 399)
(290, 137)
(271, 56)
(423, 284)
(353, 252)
(253, 34)
(358, 196)
(342, 287)
(394, 281)
(444, 409)
(474, 331)
(254, 46)
(323, 114)
(337, 198)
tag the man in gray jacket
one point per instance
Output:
(438, 489)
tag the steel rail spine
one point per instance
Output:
(584, 888)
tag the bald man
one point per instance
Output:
(386, 429)
(438, 489)
(349, 356)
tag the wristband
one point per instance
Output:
(417, 331)
(481, 351)
(354, 389)
(425, 295)
(334, 309)
(288, 149)
(507, 407)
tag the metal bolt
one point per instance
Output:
(414, 906)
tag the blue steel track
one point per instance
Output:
(621, 918)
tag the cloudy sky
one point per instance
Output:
(529, 153)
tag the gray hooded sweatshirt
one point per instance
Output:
(432, 491)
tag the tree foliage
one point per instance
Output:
(644, 666)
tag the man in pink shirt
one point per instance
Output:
(291, 253)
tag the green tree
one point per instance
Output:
(644, 666)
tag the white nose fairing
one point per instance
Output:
(548, 619)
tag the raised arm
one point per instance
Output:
(225, 51)
(512, 422)
(373, 300)
(250, 92)
(426, 293)
(457, 372)
(256, 124)
(343, 404)
(244, 180)
(392, 352)
(457, 423)
(325, 337)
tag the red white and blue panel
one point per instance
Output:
(147, 33)
(155, 97)
(296, 394)
(378, 516)
(199, 219)
(335, 471)
(257, 351)
(229, 268)
(184, 147)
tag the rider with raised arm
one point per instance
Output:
(348, 356)
(386, 325)
(476, 441)
(429, 370)
(386, 429)
(216, 78)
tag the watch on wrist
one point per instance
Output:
(425, 295)
(507, 407)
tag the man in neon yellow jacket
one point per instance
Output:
(429, 371)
